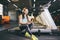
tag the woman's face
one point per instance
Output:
(25, 10)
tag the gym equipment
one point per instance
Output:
(46, 19)
(5, 19)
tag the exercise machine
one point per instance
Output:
(46, 19)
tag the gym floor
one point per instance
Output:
(5, 35)
(8, 36)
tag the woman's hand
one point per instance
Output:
(29, 22)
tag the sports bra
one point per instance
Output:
(24, 20)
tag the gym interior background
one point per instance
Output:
(10, 10)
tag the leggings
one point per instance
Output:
(27, 28)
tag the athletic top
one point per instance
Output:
(24, 20)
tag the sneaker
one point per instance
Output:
(34, 37)
(27, 34)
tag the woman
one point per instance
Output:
(26, 23)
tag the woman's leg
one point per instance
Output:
(28, 30)
(33, 37)
(30, 26)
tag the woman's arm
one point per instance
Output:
(30, 20)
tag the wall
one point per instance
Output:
(1, 9)
(12, 15)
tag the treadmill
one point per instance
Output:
(46, 19)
